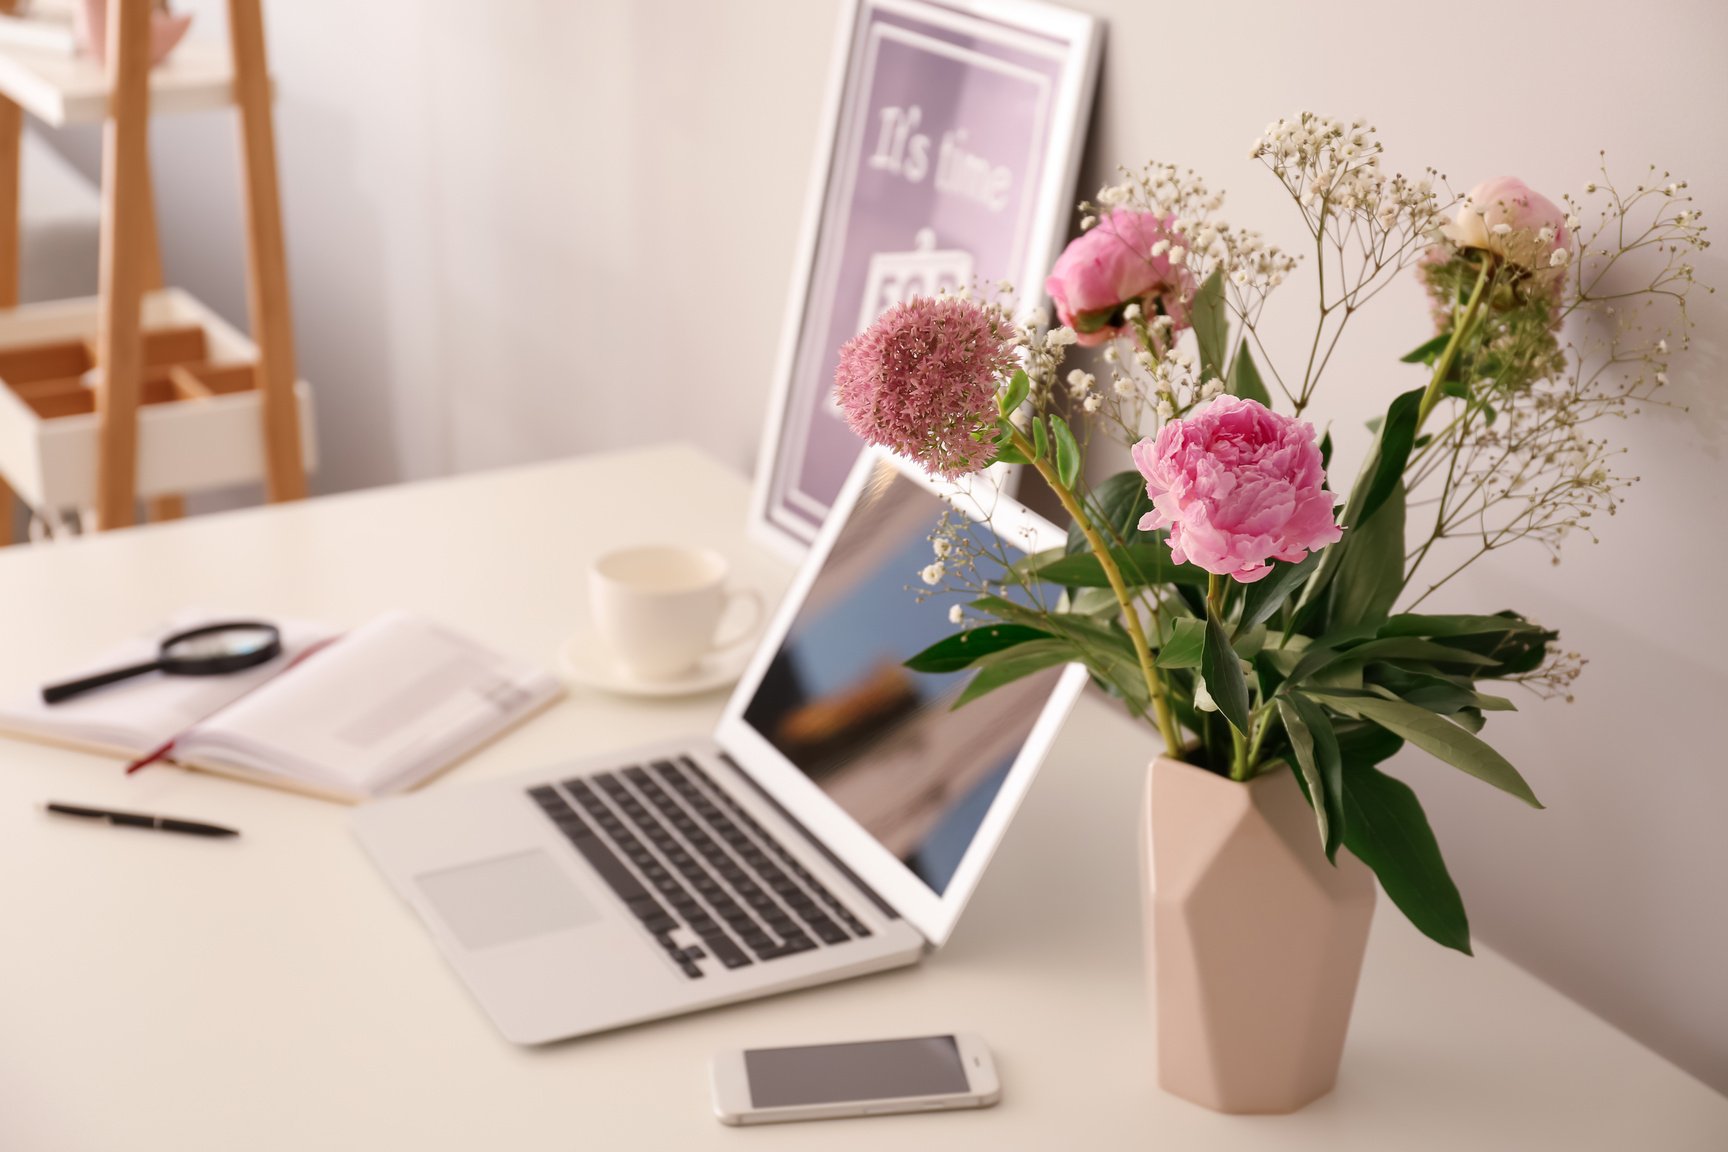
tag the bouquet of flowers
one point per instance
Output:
(1218, 588)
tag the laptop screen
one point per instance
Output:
(881, 741)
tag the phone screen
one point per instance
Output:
(838, 1073)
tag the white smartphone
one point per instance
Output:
(867, 1078)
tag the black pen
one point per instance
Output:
(139, 820)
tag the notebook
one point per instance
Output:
(347, 716)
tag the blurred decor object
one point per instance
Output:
(166, 29)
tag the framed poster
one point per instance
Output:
(951, 158)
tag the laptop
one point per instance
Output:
(834, 824)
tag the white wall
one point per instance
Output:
(531, 229)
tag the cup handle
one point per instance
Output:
(754, 598)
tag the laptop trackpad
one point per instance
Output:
(507, 899)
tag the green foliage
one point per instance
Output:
(962, 650)
(1186, 644)
(1245, 377)
(1386, 829)
(1318, 763)
(1067, 452)
(1222, 669)
(1019, 385)
(1211, 322)
(1141, 565)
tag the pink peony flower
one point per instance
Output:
(1505, 217)
(922, 379)
(1122, 259)
(1237, 485)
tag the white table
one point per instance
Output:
(271, 993)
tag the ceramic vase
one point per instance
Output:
(1254, 940)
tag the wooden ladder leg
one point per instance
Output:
(11, 141)
(173, 505)
(119, 343)
(266, 257)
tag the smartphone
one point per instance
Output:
(868, 1078)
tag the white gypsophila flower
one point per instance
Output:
(1178, 256)
(941, 546)
(1087, 222)
(1093, 402)
(1132, 311)
(1572, 222)
(1111, 195)
(933, 573)
(1166, 411)
(1040, 317)
(1080, 382)
(1662, 347)
(1661, 378)
(1060, 337)
(1122, 386)
(1558, 258)
(1213, 387)
(956, 615)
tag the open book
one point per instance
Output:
(375, 711)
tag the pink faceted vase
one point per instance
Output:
(1254, 940)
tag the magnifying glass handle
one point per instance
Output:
(55, 693)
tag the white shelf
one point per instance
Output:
(184, 445)
(61, 90)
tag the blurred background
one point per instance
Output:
(530, 229)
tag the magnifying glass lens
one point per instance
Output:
(240, 641)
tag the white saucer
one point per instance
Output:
(584, 660)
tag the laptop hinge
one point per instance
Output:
(840, 865)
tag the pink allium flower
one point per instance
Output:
(1505, 217)
(1237, 485)
(923, 378)
(1122, 259)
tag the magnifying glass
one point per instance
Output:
(213, 650)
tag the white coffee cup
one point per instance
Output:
(657, 607)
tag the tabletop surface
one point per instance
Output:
(272, 993)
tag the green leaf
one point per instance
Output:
(1382, 471)
(1428, 351)
(1008, 454)
(1438, 737)
(1040, 440)
(1414, 624)
(1317, 758)
(1362, 743)
(1211, 323)
(1371, 576)
(1266, 595)
(1015, 395)
(1412, 648)
(1067, 452)
(1385, 827)
(1384, 467)
(1140, 565)
(1245, 377)
(1186, 644)
(1015, 664)
(1116, 506)
(1222, 669)
(965, 648)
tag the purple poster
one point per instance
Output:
(953, 163)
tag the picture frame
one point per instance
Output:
(950, 155)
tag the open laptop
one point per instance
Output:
(834, 824)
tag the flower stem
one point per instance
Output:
(1130, 615)
(1460, 330)
(1215, 586)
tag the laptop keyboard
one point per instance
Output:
(682, 853)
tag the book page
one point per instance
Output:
(390, 703)
(135, 716)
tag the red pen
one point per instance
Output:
(162, 752)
